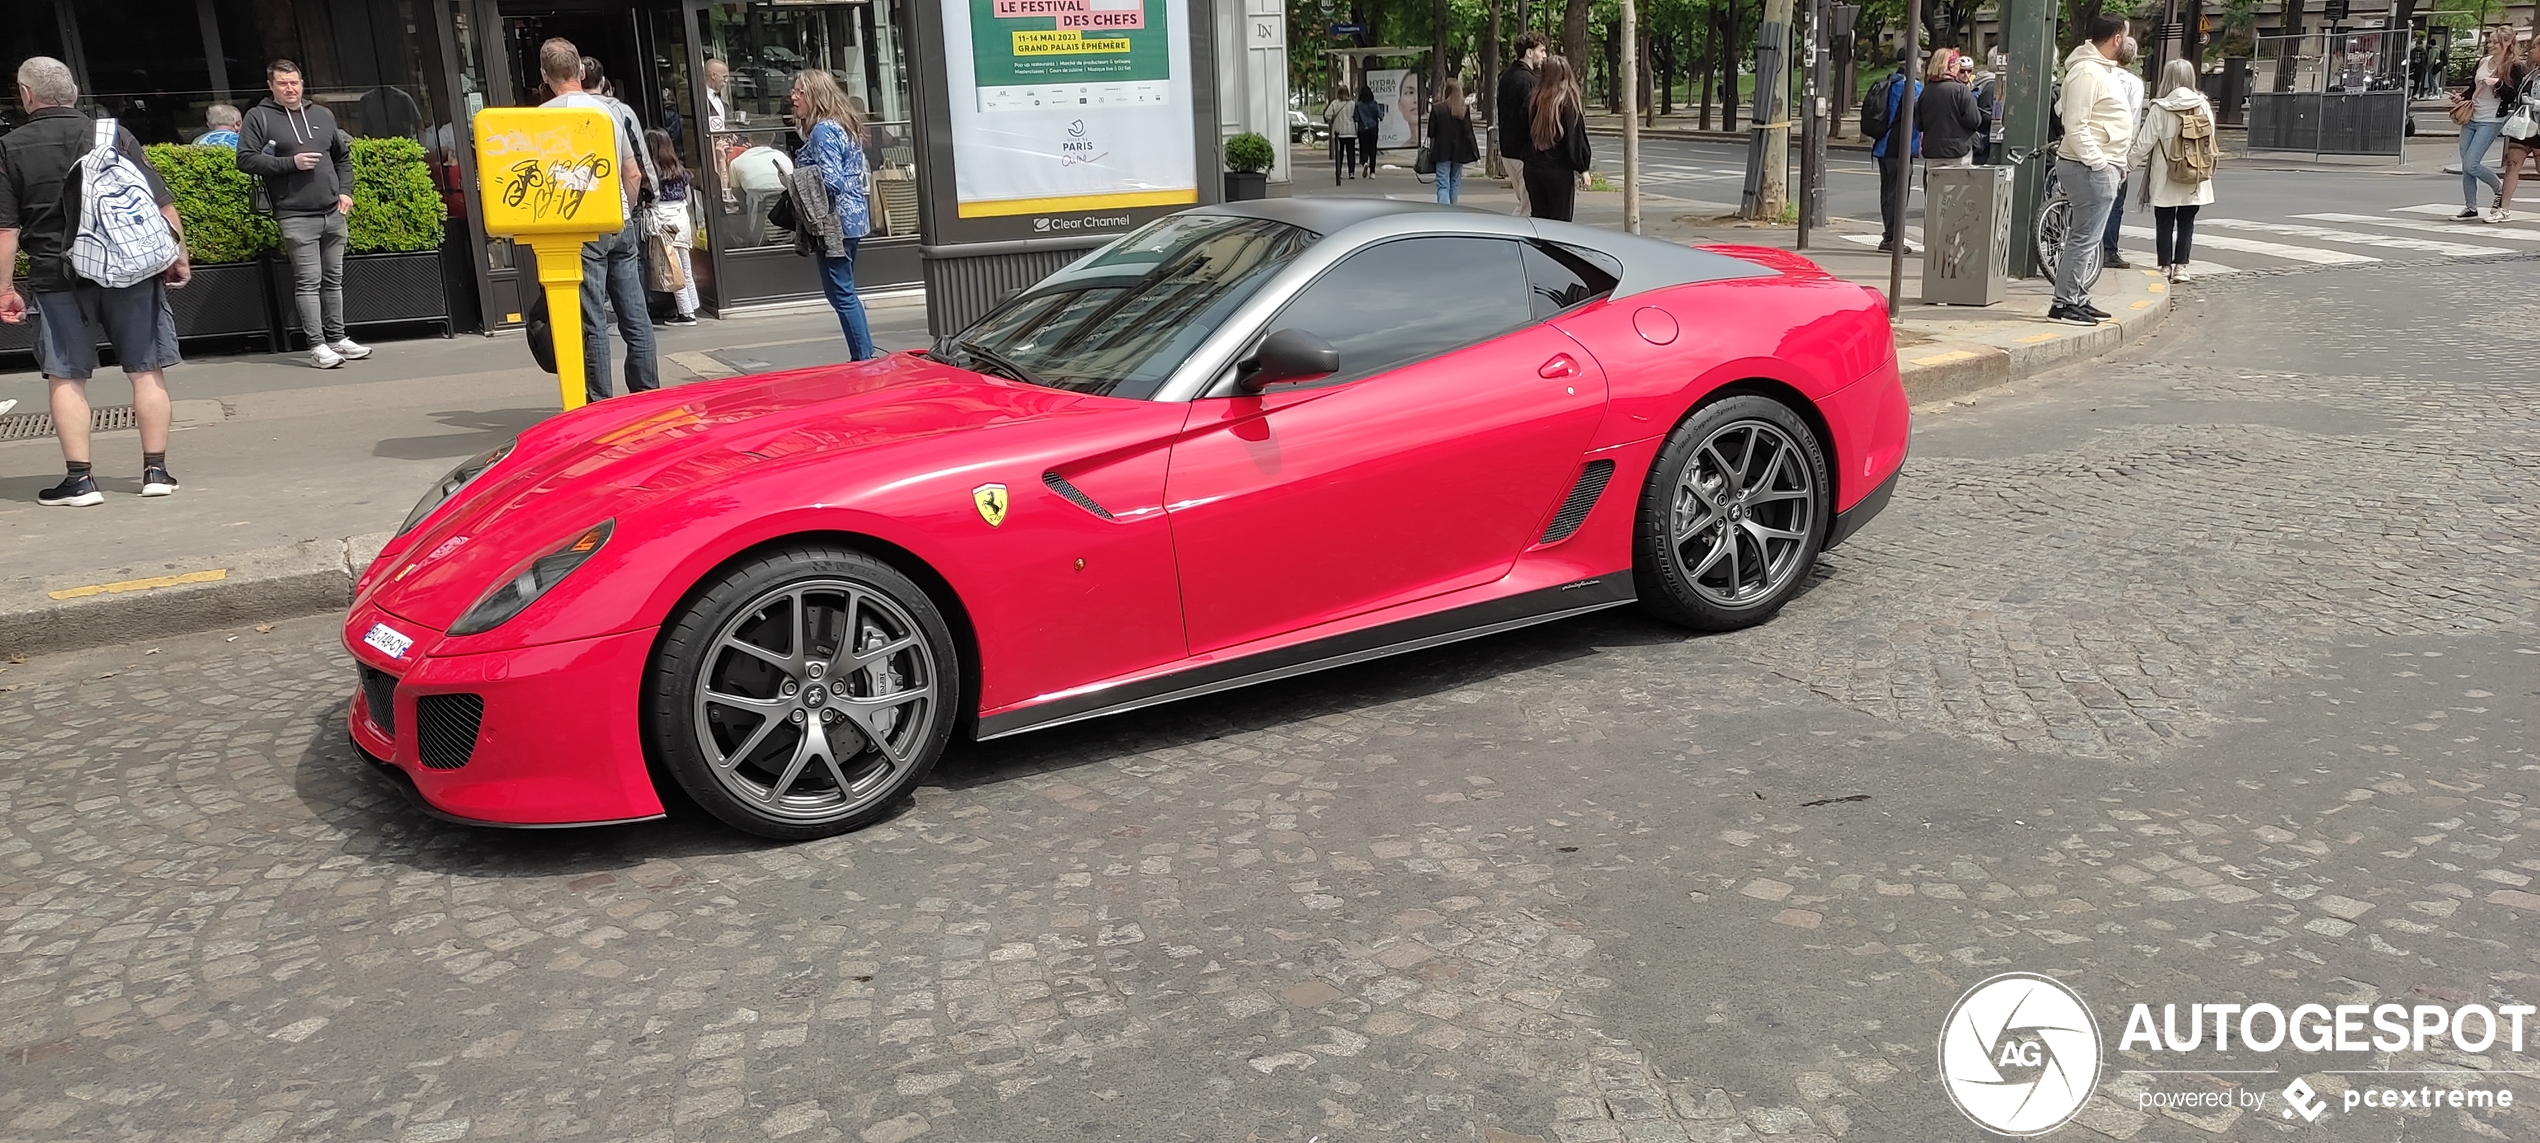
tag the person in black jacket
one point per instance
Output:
(1557, 141)
(1516, 110)
(307, 165)
(1367, 116)
(1948, 114)
(1451, 142)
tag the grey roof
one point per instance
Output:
(1648, 263)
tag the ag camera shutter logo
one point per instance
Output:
(2019, 1054)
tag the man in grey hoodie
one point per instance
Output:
(307, 165)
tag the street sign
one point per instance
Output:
(549, 177)
(2336, 11)
(1348, 29)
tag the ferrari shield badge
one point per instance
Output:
(990, 500)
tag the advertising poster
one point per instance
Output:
(1398, 92)
(1069, 105)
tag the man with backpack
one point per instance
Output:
(1881, 114)
(613, 266)
(103, 246)
(307, 167)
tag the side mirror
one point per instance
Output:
(1288, 355)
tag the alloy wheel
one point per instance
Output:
(1744, 509)
(814, 699)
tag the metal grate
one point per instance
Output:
(445, 729)
(1074, 495)
(36, 426)
(1574, 509)
(379, 699)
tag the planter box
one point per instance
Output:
(378, 289)
(1245, 186)
(226, 299)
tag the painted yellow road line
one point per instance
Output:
(2034, 338)
(2143, 305)
(2158, 288)
(121, 586)
(1946, 358)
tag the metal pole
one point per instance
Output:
(1630, 82)
(2028, 106)
(1812, 151)
(1901, 148)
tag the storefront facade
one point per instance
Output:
(713, 74)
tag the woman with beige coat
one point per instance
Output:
(2174, 198)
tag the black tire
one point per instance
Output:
(1697, 535)
(859, 702)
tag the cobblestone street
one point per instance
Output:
(2203, 673)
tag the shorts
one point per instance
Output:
(136, 320)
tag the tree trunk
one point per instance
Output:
(1574, 35)
(1729, 33)
(1710, 41)
(1641, 76)
(1612, 50)
(1437, 49)
(1490, 91)
(2284, 61)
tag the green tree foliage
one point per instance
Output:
(396, 208)
(215, 201)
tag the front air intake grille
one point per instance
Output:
(1574, 509)
(1074, 495)
(445, 729)
(379, 699)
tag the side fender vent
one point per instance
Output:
(1077, 497)
(445, 729)
(1574, 509)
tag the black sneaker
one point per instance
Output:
(72, 492)
(2116, 261)
(2094, 311)
(155, 481)
(680, 319)
(2071, 314)
(2467, 214)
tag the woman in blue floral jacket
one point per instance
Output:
(830, 128)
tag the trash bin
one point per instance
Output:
(1966, 235)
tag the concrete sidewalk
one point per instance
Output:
(293, 477)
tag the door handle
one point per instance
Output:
(1560, 366)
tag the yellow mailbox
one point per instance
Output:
(549, 178)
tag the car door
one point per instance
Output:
(1425, 465)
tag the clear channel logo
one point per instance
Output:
(2019, 1054)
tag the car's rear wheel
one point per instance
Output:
(804, 693)
(1732, 515)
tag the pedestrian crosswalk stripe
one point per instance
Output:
(2312, 255)
(2437, 209)
(2481, 231)
(2359, 238)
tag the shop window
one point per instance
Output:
(752, 53)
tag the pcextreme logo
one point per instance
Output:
(2020, 1054)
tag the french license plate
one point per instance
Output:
(389, 640)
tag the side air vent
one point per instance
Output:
(1574, 509)
(1077, 497)
(445, 729)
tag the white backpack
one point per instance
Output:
(122, 238)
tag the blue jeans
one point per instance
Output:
(2475, 139)
(613, 277)
(2116, 222)
(837, 283)
(1450, 181)
(2092, 192)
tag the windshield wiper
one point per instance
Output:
(999, 362)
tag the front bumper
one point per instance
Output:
(539, 736)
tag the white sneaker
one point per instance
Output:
(324, 357)
(2178, 273)
(2500, 215)
(349, 349)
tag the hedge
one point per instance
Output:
(395, 205)
(215, 199)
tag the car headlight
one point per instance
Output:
(528, 582)
(448, 486)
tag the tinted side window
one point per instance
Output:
(1410, 299)
(1560, 277)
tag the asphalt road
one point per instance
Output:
(2201, 675)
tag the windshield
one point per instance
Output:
(1118, 323)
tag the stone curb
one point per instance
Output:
(316, 576)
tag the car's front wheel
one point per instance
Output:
(803, 693)
(1732, 515)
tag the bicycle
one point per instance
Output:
(2054, 220)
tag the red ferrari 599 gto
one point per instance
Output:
(1240, 443)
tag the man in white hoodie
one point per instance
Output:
(2098, 131)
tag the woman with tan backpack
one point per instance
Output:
(2177, 137)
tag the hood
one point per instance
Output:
(677, 452)
(2087, 53)
(2182, 100)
